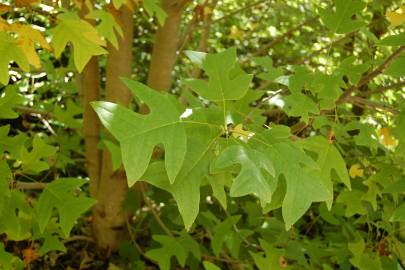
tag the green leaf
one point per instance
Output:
(5, 175)
(108, 26)
(396, 69)
(170, 247)
(340, 21)
(60, 195)
(8, 100)
(304, 183)
(328, 89)
(15, 217)
(33, 161)
(222, 232)
(210, 266)
(202, 135)
(352, 71)
(138, 134)
(218, 183)
(366, 134)
(393, 40)
(256, 172)
(153, 8)
(51, 243)
(9, 51)
(8, 261)
(67, 116)
(399, 213)
(271, 260)
(81, 34)
(115, 153)
(300, 105)
(270, 73)
(329, 160)
(222, 85)
(353, 201)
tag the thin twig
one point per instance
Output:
(26, 185)
(385, 88)
(362, 102)
(153, 211)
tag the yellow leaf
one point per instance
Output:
(396, 17)
(27, 38)
(235, 33)
(239, 132)
(356, 171)
(386, 138)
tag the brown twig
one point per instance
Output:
(153, 211)
(368, 77)
(26, 185)
(384, 88)
(363, 102)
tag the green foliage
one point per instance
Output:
(161, 125)
(60, 195)
(81, 34)
(340, 21)
(288, 156)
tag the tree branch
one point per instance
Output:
(26, 185)
(385, 88)
(368, 77)
(363, 102)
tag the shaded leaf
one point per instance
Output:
(60, 195)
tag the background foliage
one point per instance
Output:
(282, 148)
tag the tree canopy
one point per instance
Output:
(202, 134)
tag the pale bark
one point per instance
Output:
(109, 218)
(89, 88)
(165, 46)
(88, 83)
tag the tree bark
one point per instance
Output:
(89, 88)
(165, 46)
(109, 218)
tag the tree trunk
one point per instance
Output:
(88, 83)
(165, 46)
(89, 88)
(109, 218)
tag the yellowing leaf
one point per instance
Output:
(235, 33)
(9, 51)
(386, 138)
(81, 34)
(27, 38)
(356, 171)
(29, 255)
(396, 17)
(239, 132)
